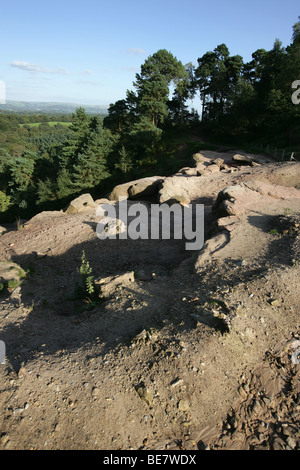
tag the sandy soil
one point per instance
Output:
(198, 351)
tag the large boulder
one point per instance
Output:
(243, 159)
(145, 187)
(175, 186)
(234, 200)
(138, 189)
(81, 204)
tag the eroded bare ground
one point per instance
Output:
(199, 350)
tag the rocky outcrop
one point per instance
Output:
(236, 199)
(243, 159)
(176, 186)
(81, 204)
(138, 189)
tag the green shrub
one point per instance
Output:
(4, 202)
(86, 289)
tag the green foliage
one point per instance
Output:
(296, 32)
(5, 201)
(86, 289)
(64, 184)
(21, 172)
(274, 231)
(45, 191)
(152, 84)
(90, 165)
(125, 161)
(117, 119)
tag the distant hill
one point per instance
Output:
(49, 107)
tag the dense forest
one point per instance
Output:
(47, 159)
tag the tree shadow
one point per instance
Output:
(54, 320)
(47, 317)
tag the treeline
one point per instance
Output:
(239, 101)
(42, 167)
(11, 121)
(46, 163)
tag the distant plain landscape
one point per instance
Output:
(49, 107)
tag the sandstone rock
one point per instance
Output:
(81, 204)
(145, 187)
(218, 161)
(102, 200)
(235, 200)
(178, 185)
(178, 199)
(44, 215)
(189, 171)
(120, 192)
(274, 191)
(231, 192)
(110, 228)
(244, 159)
(212, 168)
(201, 167)
(140, 188)
(205, 170)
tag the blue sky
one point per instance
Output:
(89, 51)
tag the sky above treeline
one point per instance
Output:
(88, 51)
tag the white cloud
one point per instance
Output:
(86, 72)
(34, 68)
(136, 50)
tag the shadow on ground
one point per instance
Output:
(47, 318)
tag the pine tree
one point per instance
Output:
(125, 161)
(90, 166)
(152, 85)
